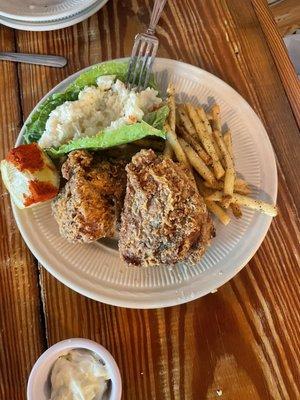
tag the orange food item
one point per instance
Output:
(26, 156)
(40, 191)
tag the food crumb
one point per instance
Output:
(214, 291)
(219, 392)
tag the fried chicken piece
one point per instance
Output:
(164, 219)
(89, 206)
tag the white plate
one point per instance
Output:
(53, 24)
(96, 271)
(42, 10)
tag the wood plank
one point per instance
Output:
(278, 49)
(21, 331)
(241, 340)
(287, 16)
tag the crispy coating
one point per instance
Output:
(89, 206)
(164, 219)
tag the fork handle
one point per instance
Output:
(155, 15)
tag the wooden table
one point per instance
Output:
(239, 343)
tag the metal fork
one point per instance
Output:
(144, 51)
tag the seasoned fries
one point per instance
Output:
(216, 120)
(204, 119)
(218, 211)
(206, 140)
(197, 162)
(174, 143)
(228, 141)
(212, 206)
(202, 145)
(229, 170)
(186, 122)
(196, 145)
(238, 188)
(236, 210)
(172, 106)
(168, 150)
(246, 201)
(171, 124)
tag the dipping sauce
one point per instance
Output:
(79, 375)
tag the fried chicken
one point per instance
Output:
(89, 206)
(164, 220)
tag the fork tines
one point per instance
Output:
(142, 58)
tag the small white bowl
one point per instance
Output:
(39, 387)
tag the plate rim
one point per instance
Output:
(46, 26)
(26, 17)
(139, 303)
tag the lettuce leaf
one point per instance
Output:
(36, 126)
(109, 138)
(157, 118)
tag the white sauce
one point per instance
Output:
(79, 375)
(108, 105)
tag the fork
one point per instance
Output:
(144, 51)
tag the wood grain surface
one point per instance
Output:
(239, 343)
(287, 16)
(22, 336)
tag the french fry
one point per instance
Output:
(195, 144)
(209, 116)
(168, 150)
(246, 201)
(241, 186)
(238, 188)
(236, 210)
(216, 121)
(172, 106)
(216, 124)
(241, 182)
(204, 119)
(188, 126)
(171, 138)
(229, 171)
(203, 190)
(242, 190)
(196, 161)
(212, 206)
(218, 151)
(228, 141)
(185, 121)
(206, 140)
(218, 211)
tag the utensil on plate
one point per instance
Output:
(38, 59)
(144, 51)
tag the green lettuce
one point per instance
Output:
(36, 125)
(157, 118)
(108, 138)
(89, 78)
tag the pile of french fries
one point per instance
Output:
(194, 136)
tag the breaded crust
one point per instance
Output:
(89, 206)
(164, 220)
